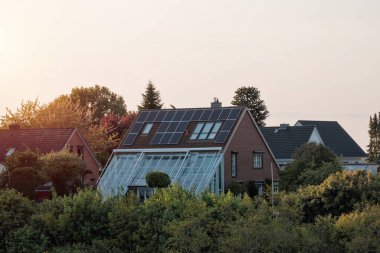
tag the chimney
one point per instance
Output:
(14, 126)
(284, 126)
(216, 103)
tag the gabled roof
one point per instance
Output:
(284, 142)
(335, 138)
(173, 127)
(43, 140)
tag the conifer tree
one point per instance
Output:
(374, 138)
(151, 98)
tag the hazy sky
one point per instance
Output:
(310, 59)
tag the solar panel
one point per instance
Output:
(173, 123)
(152, 116)
(157, 138)
(137, 127)
(178, 116)
(224, 114)
(234, 114)
(142, 116)
(130, 139)
(161, 115)
(197, 115)
(222, 137)
(206, 115)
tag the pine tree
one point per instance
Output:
(250, 97)
(374, 138)
(151, 98)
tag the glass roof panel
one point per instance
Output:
(194, 170)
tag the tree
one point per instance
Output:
(250, 97)
(63, 169)
(151, 98)
(99, 100)
(157, 179)
(25, 116)
(311, 164)
(22, 171)
(374, 138)
(64, 113)
(15, 211)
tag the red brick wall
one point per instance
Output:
(246, 140)
(91, 164)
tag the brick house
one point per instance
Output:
(45, 140)
(199, 148)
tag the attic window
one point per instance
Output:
(147, 128)
(205, 131)
(10, 151)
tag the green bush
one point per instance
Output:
(157, 179)
(236, 188)
(23, 180)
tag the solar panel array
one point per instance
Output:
(174, 123)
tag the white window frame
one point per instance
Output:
(147, 128)
(258, 163)
(234, 166)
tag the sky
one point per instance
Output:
(315, 59)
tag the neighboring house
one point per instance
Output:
(285, 140)
(201, 149)
(45, 140)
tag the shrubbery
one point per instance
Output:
(157, 179)
(340, 215)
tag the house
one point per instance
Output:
(199, 148)
(45, 140)
(285, 140)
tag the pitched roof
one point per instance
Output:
(284, 142)
(43, 140)
(336, 138)
(173, 127)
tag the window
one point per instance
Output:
(147, 128)
(257, 160)
(233, 164)
(197, 130)
(276, 187)
(214, 130)
(80, 151)
(71, 148)
(260, 187)
(205, 131)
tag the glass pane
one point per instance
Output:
(152, 116)
(142, 116)
(136, 128)
(161, 115)
(147, 128)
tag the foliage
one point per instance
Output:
(359, 231)
(55, 115)
(311, 165)
(22, 170)
(339, 193)
(26, 158)
(25, 116)
(250, 97)
(157, 179)
(63, 169)
(151, 98)
(236, 188)
(15, 211)
(23, 179)
(343, 214)
(101, 142)
(374, 138)
(251, 189)
(99, 100)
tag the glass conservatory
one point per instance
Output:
(195, 169)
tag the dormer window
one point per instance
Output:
(147, 128)
(205, 131)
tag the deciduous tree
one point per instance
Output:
(250, 97)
